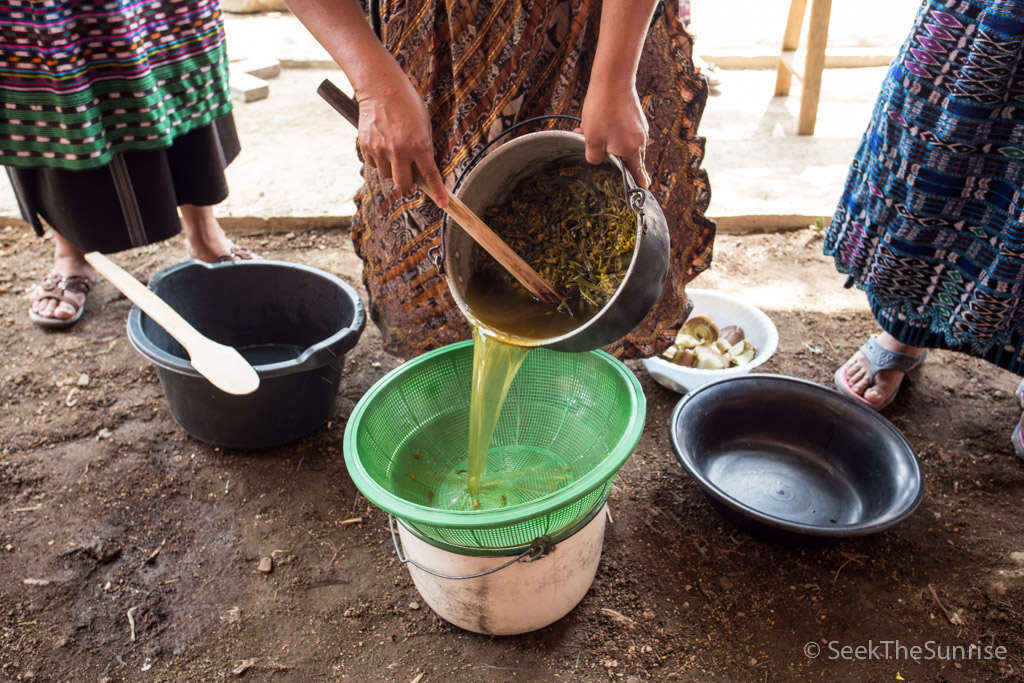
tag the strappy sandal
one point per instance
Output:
(879, 358)
(69, 289)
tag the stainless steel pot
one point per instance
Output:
(487, 181)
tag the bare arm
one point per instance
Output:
(394, 128)
(613, 119)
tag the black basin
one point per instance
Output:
(293, 323)
(792, 460)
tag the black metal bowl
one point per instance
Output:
(794, 461)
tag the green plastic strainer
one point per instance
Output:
(569, 423)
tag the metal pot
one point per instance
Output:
(488, 180)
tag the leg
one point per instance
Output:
(205, 239)
(790, 42)
(877, 392)
(62, 305)
(817, 37)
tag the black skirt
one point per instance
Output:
(132, 201)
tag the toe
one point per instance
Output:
(63, 311)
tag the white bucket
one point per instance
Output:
(522, 597)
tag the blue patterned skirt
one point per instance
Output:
(930, 221)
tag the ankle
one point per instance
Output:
(890, 343)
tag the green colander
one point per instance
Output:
(569, 423)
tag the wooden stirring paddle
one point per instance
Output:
(459, 212)
(223, 365)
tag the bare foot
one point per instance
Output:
(858, 372)
(205, 239)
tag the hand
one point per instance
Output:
(614, 123)
(395, 138)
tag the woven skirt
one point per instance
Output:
(930, 222)
(132, 201)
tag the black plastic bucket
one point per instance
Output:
(292, 322)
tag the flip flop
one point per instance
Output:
(69, 289)
(1018, 438)
(878, 358)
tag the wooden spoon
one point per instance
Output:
(459, 212)
(223, 365)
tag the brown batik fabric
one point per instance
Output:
(482, 67)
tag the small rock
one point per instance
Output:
(9, 548)
(266, 565)
(83, 380)
(753, 661)
(244, 666)
(414, 605)
(633, 679)
(232, 616)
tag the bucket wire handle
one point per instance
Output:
(436, 252)
(539, 547)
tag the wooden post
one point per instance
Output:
(817, 38)
(814, 61)
(790, 42)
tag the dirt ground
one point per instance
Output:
(107, 506)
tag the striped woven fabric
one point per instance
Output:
(484, 66)
(930, 221)
(82, 80)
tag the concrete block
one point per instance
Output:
(253, 6)
(265, 67)
(248, 88)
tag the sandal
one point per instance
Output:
(235, 253)
(1018, 438)
(878, 358)
(69, 289)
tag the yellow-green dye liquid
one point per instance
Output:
(517, 469)
(495, 364)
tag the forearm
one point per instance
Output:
(341, 27)
(621, 36)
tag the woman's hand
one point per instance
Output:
(614, 123)
(613, 119)
(394, 128)
(395, 137)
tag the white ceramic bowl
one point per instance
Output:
(724, 310)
